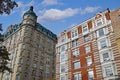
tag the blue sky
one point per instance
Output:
(58, 15)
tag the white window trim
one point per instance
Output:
(66, 56)
(65, 47)
(73, 31)
(106, 40)
(87, 61)
(99, 19)
(63, 76)
(80, 75)
(76, 50)
(87, 29)
(106, 51)
(66, 67)
(75, 62)
(104, 72)
(85, 48)
(93, 73)
(61, 39)
(103, 31)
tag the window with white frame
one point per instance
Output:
(74, 33)
(63, 39)
(63, 47)
(85, 28)
(99, 22)
(87, 48)
(86, 38)
(63, 68)
(75, 43)
(106, 56)
(76, 64)
(75, 53)
(77, 76)
(100, 32)
(63, 77)
(108, 71)
(103, 43)
(91, 74)
(63, 57)
(89, 61)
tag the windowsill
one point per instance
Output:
(85, 33)
(72, 38)
(107, 61)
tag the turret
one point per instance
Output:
(29, 17)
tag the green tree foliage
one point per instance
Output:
(4, 56)
(6, 6)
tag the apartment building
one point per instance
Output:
(90, 50)
(32, 50)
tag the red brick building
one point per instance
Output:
(88, 51)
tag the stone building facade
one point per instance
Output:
(90, 50)
(32, 50)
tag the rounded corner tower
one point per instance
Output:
(29, 17)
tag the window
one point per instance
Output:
(89, 61)
(63, 68)
(63, 57)
(103, 44)
(63, 78)
(101, 32)
(41, 67)
(87, 48)
(105, 56)
(99, 22)
(74, 33)
(85, 28)
(17, 77)
(108, 71)
(63, 39)
(77, 76)
(19, 69)
(23, 46)
(91, 74)
(63, 48)
(47, 69)
(86, 38)
(47, 57)
(34, 65)
(47, 75)
(76, 64)
(75, 43)
(20, 61)
(76, 53)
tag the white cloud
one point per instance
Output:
(49, 2)
(89, 10)
(56, 14)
